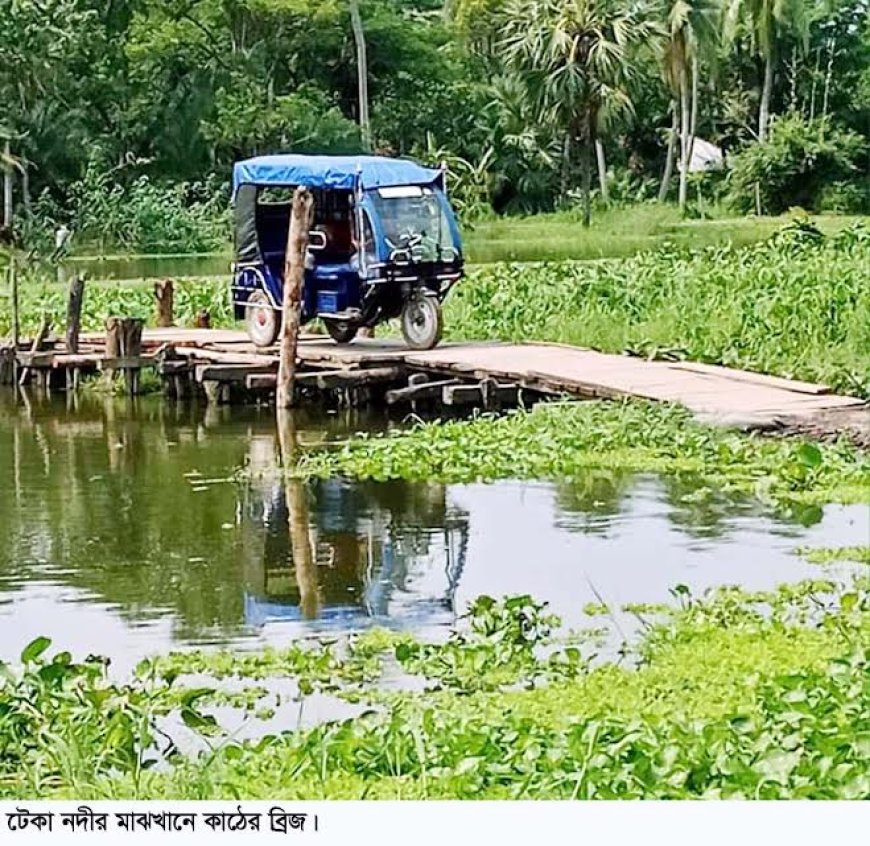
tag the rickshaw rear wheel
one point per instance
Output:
(261, 320)
(341, 331)
(422, 322)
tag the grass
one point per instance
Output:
(732, 694)
(556, 441)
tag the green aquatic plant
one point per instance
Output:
(730, 694)
(560, 440)
(828, 555)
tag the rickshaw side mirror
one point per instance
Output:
(316, 240)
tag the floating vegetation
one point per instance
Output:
(560, 440)
(732, 694)
(829, 555)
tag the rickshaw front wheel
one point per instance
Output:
(341, 331)
(261, 320)
(422, 322)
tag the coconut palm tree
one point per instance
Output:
(575, 58)
(691, 29)
(767, 21)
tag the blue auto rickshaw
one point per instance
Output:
(384, 243)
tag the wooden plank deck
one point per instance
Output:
(716, 394)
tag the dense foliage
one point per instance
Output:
(101, 95)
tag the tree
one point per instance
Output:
(691, 27)
(768, 21)
(575, 60)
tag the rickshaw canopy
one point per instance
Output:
(341, 173)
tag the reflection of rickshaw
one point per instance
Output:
(384, 244)
(373, 543)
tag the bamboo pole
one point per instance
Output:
(294, 280)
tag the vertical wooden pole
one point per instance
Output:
(113, 347)
(13, 285)
(74, 313)
(165, 295)
(294, 278)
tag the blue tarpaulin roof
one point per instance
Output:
(337, 172)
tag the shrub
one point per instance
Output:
(794, 166)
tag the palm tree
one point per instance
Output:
(691, 27)
(575, 60)
(767, 21)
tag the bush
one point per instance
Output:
(139, 214)
(846, 197)
(795, 165)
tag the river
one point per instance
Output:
(131, 527)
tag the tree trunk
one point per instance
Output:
(25, 185)
(294, 279)
(566, 167)
(693, 125)
(362, 74)
(671, 153)
(828, 75)
(74, 313)
(586, 172)
(7, 186)
(685, 122)
(602, 169)
(766, 91)
(165, 296)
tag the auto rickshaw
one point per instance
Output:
(384, 243)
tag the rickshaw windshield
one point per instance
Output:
(414, 222)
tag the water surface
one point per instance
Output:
(128, 528)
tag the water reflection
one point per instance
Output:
(128, 527)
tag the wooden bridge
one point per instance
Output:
(224, 366)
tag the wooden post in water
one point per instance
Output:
(74, 313)
(165, 295)
(294, 279)
(124, 341)
(38, 341)
(13, 290)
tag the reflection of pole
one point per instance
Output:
(362, 75)
(298, 518)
